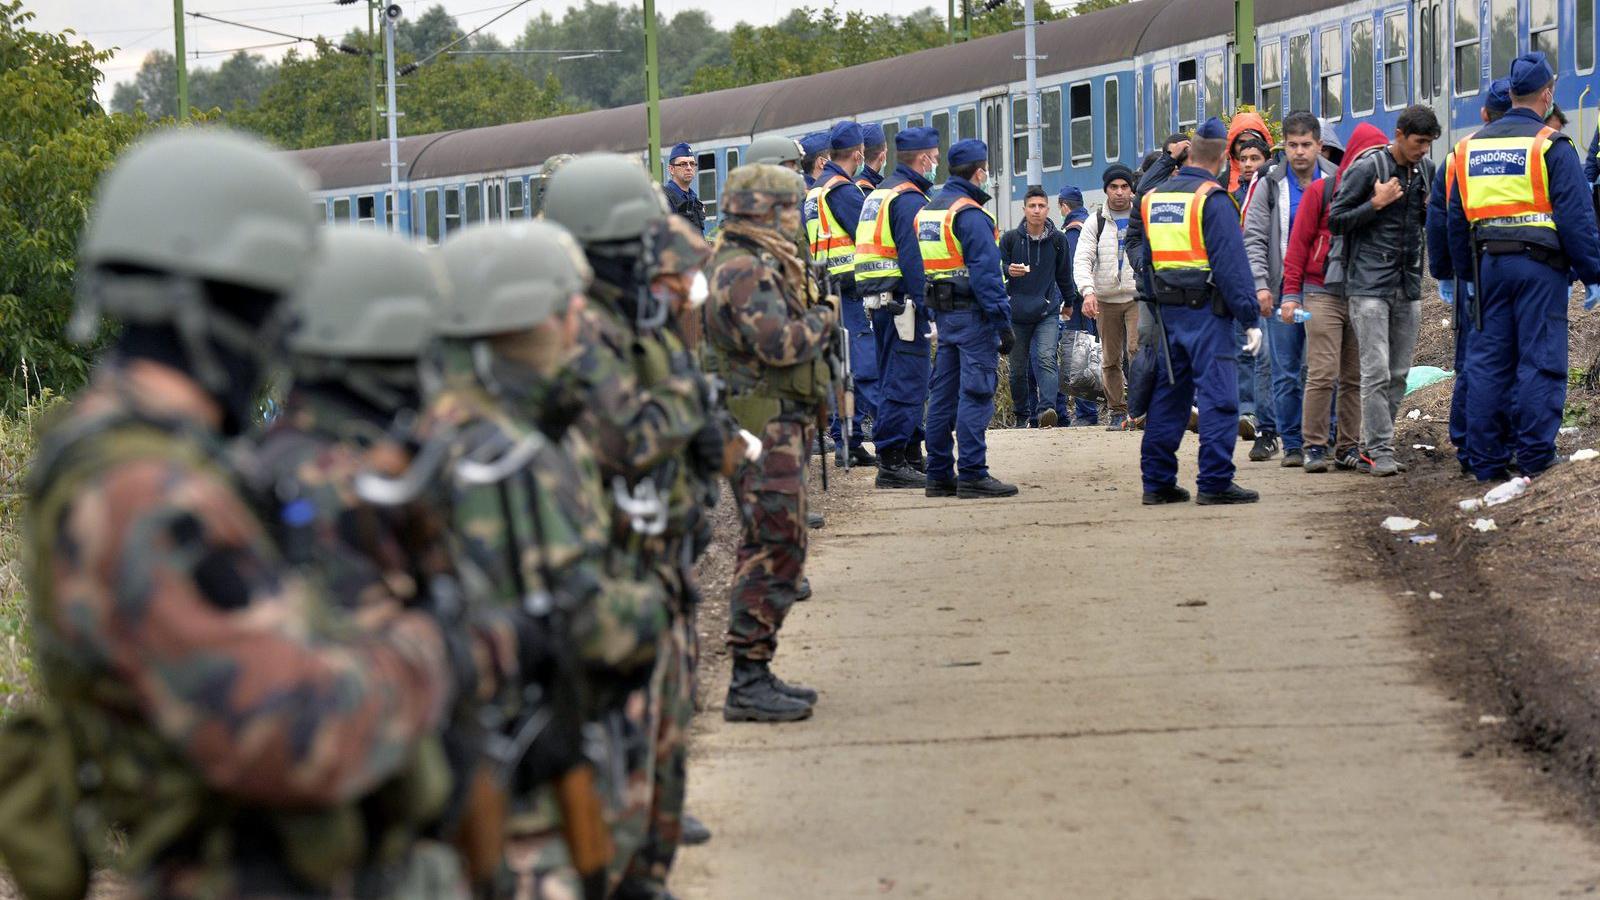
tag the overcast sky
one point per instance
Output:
(138, 26)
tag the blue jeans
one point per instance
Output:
(961, 395)
(1286, 345)
(1035, 374)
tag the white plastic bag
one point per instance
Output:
(1080, 365)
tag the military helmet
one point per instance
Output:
(509, 276)
(774, 149)
(754, 189)
(673, 247)
(555, 163)
(602, 197)
(373, 295)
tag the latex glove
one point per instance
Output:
(1591, 296)
(752, 446)
(933, 331)
(1447, 292)
(1252, 341)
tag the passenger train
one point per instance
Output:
(1112, 85)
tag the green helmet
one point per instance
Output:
(509, 277)
(755, 189)
(603, 197)
(774, 149)
(373, 295)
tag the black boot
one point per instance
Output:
(803, 592)
(859, 456)
(1233, 494)
(913, 452)
(815, 520)
(1169, 494)
(988, 486)
(894, 473)
(754, 697)
(797, 691)
(940, 488)
(694, 832)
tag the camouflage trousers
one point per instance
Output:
(771, 493)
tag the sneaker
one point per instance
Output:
(985, 487)
(1352, 461)
(1293, 459)
(1048, 419)
(1385, 465)
(1247, 427)
(1117, 422)
(1265, 448)
(939, 488)
(1169, 494)
(1194, 419)
(1234, 494)
(814, 520)
(1316, 460)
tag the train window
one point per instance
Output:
(707, 186)
(472, 201)
(1468, 49)
(1113, 120)
(1437, 52)
(1138, 110)
(1585, 35)
(1425, 38)
(1542, 33)
(1019, 135)
(913, 121)
(966, 123)
(492, 200)
(391, 209)
(430, 215)
(1332, 74)
(341, 209)
(1082, 123)
(1269, 64)
(1216, 87)
(1188, 111)
(733, 160)
(1300, 72)
(1050, 127)
(1396, 49)
(452, 210)
(941, 124)
(516, 204)
(367, 209)
(1502, 34)
(1160, 102)
(890, 129)
(321, 206)
(535, 196)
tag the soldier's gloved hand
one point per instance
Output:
(1591, 296)
(1447, 292)
(706, 448)
(1252, 341)
(1008, 339)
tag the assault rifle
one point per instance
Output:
(841, 397)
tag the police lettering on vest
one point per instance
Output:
(831, 243)
(1504, 183)
(942, 258)
(877, 262)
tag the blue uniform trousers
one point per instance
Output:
(1458, 391)
(961, 395)
(1521, 356)
(902, 381)
(863, 365)
(1205, 367)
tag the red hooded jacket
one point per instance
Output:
(1305, 263)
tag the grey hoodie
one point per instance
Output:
(1266, 223)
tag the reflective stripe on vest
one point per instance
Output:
(831, 242)
(936, 238)
(1172, 226)
(876, 256)
(1503, 181)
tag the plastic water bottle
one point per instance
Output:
(1302, 316)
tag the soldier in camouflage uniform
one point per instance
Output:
(530, 517)
(204, 702)
(649, 414)
(767, 341)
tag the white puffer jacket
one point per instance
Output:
(1095, 267)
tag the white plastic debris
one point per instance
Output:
(1400, 523)
(1485, 525)
(1586, 453)
(1471, 504)
(1424, 447)
(1445, 322)
(1491, 720)
(1511, 490)
(1414, 415)
(1435, 595)
(1570, 429)
(1424, 539)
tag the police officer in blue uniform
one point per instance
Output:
(1199, 289)
(877, 153)
(1521, 209)
(815, 145)
(836, 189)
(1458, 294)
(959, 244)
(681, 169)
(889, 278)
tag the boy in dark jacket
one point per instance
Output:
(1038, 271)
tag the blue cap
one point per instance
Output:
(1498, 99)
(1529, 74)
(1070, 194)
(971, 150)
(844, 135)
(814, 143)
(679, 150)
(872, 136)
(1212, 129)
(919, 138)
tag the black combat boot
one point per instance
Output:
(753, 696)
(894, 473)
(803, 592)
(693, 831)
(987, 486)
(913, 452)
(859, 456)
(1233, 494)
(815, 520)
(797, 691)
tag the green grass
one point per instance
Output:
(16, 447)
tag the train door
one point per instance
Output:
(1433, 69)
(997, 134)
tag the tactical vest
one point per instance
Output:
(1173, 228)
(93, 768)
(1504, 186)
(942, 258)
(877, 260)
(831, 242)
(758, 393)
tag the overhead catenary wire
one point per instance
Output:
(293, 38)
(408, 68)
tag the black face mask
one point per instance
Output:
(161, 344)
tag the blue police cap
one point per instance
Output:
(1529, 74)
(872, 136)
(815, 142)
(844, 135)
(919, 138)
(1070, 194)
(1498, 98)
(1212, 129)
(969, 151)
(679, 150)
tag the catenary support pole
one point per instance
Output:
(1244, 41)
(652, 81)
(1030, 59)
(372, 70)
(183, 64)
(402, 221)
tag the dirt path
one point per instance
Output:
(1066, 694)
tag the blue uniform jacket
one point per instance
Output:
(1440, 264)
(903, 211)
(845, 201)
(974, 231)
(1230, 267)
(1569, 198)
(1591, 163)
(871, 176)
(686, 204)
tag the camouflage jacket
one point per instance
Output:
(755, 319)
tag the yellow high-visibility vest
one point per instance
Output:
(831, 243)
(876, 256)
(1504, 182)
(936, 238)
(1172, 222)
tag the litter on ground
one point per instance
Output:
(1400, 523)
(1485, 525)
(1471, 504)
(1585, 454)
(1424, 539)
(1511, 490)
(1414, 415)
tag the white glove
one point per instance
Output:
(752, 446)
(1252, 341)
(933, 331)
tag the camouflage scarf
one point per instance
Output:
(776, 245)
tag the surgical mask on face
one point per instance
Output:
(699, 290)
(932, 173)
